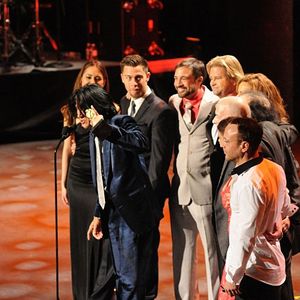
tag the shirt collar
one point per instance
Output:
(148, 92)
(247, 165)
(195, 101)
(139, 101)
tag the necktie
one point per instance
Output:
(99, 176)
(187, 116)
(132, 110)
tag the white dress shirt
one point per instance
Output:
(139, 101)
(258, 200)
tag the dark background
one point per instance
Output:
(262, 34)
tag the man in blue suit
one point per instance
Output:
(129, 211)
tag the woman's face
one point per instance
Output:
(92, 75)
(244, 87)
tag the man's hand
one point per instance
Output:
(93, 115)
(276, 234)
(95, 229)
(286, 223)
(230, 288)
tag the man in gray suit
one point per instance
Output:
(191, 197)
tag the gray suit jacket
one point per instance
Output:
(192, 170)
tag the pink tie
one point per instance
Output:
(187, 116)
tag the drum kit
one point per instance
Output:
(29, 44)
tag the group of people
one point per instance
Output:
(235, 182)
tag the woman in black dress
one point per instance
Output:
(91, 262)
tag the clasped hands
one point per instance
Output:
(230, 288)
(278, 230)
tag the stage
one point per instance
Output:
(27, 244)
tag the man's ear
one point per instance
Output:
(244, 146)
(200, 80)
(148, 76)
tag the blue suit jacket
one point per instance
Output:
(125, 175)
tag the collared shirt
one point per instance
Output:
(139, 101)
(259, 199)
(195, 104)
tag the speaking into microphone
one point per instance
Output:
(66, 131)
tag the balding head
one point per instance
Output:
(231, 106)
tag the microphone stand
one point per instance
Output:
(60, 9)
(66, 132)
(56, 217)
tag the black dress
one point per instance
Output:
(91, 262)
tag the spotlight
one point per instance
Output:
(155, 4)
(155, 50)
(129, 5)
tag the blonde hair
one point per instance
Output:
(260, 82)
(231, 65)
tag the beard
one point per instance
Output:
(184, 92)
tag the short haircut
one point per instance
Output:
(235, 105)
(222, 124)
(134, 60)
(197, 66)
(248, 130)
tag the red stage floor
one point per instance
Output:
(27, 244)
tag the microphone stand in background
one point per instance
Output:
(66, 131)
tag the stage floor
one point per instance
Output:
(27, 243)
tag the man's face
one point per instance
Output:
(185, 83)
(135, 80)
(231, 144)
(220, 83)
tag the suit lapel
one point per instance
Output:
(124, 103)
(106, 159)
(204, 113)
(144, 107)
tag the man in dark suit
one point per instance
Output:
(126, 207)
(158, 122)
(230, 106)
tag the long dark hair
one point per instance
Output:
(89, 95)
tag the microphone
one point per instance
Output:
(66, 131)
